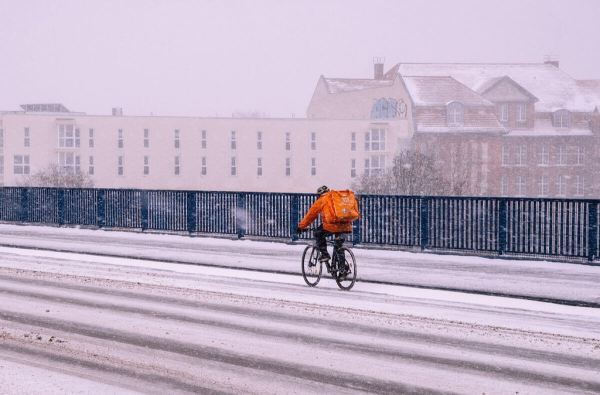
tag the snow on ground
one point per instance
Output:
(134, 319)
(541, 279)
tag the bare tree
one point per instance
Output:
(413, 173)
(58, 177)
(464, 175)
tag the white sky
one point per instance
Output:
(202, 58)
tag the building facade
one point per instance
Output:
(230, 154)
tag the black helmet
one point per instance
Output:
(322, 190)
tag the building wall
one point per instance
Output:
(355, 104)
(534, 167)
(333, 153)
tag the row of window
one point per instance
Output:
(577, 155)
(68, 161)
(69, 137)
(543, 186)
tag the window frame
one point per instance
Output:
(579, 186)
(66, 141)
(563, 154)
(376, 145)
(455, 114)
(372, 168)
(146, 138)
(24, 165)
(543, 186)
(544, 156)
(203, 136)
(91, 138)
(177, 139)
(26, 138)
(120, 143)
(177, 165)
(234, 164)
(91, 165)
(504, 112)
(561, 184)
(561, 119)
(120, 166)
(259, 167)
(68, 161)
(233, 140)
(288, 166)
(203, 166)
(521, 186)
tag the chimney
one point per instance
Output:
(117, 112)
(552, 59)
(378, 68)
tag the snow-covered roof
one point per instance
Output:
(341, 85)
(481, 122)
(544, 127)
(439, 91)
(554, 88)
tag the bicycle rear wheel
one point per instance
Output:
(311, 267)
(346, 275)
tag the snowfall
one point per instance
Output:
(88, 311)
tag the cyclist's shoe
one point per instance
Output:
(324, 258)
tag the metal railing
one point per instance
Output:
(535, 228)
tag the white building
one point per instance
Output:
(229, 154)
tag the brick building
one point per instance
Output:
(525, 130)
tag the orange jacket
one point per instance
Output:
(319, 208)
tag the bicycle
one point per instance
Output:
(343, 273)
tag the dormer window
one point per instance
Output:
(455, 114)
(562, 119)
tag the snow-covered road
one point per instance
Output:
(80, 323)
(556, 281)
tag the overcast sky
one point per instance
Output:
(203, 58)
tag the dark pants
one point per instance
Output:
(321, 235)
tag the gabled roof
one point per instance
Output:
(341, 85)
(439, 91)
(553, 87)
(491, 84)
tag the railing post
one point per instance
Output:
(592, 230)
(240, 215)
(294, 214)
(424, 223)
(60, 200)
(24, 204)
(100, 207)
(356, 232)
(191, 212)
(144, 209)
(502, 226)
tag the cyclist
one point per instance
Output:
(328, 228)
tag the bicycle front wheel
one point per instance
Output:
(346, 275)
(311, 267)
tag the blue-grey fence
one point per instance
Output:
(506, 226)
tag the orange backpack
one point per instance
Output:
(341, 206)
